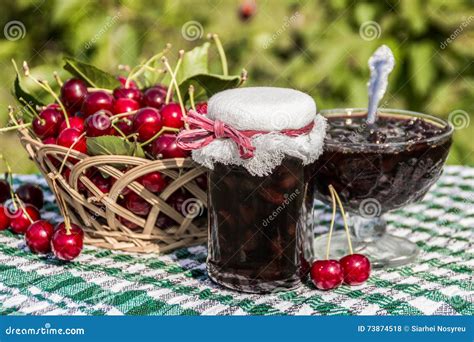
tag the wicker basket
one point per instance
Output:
(99, 214)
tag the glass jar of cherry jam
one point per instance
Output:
(253, 226)
(256, 141)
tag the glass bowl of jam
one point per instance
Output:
(376, 169)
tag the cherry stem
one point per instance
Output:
(22, 99)
(333, 218)
(161, 131)
(118, 129)
(91, 90)
(11, 116)
(10, 179)
(124, 67)
(44, 84)
(243, 77)
(191, 96)
(220, 49)
(346, 227)
(172, 74)
(58, 79)
(22, 206)
(139, 69)
(61, 204)
(27, 105)
(176, 86)
(62, 201)
(69, 152)
(12, 128)
(121, 115)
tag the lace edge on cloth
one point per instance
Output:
(270, 150)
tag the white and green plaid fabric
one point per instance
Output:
(101, 282)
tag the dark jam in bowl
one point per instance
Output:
(395, 161)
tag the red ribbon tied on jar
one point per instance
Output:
(215, 129)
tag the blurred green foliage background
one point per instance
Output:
(320, 47)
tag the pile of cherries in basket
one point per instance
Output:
(21, 215)
(127, 112)
(130, 113)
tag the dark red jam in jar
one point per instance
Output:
(253, 227)
(256, 142)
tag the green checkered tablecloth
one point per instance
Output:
(101, 282)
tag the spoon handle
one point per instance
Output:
(381, 63)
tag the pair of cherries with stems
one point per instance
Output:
(65, 241)
(16, 215)
(352, 269)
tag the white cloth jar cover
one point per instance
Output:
(265, 109)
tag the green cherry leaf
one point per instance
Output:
(93, 76)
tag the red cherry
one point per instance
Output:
(177, 199)
(172, 115)
(154, 182)
(356, 269)
(201, 181)
(31, 194)
(67, 246)
(38, 236)
(125, 105)
(54, 106)
(326, 274)
(96, 101)
(147, 122)
(4, 218)
(123, 81)
(163, 221)
(165, 147)
(137, 204)
(80, 186)
(19, 221)
(125, 125)
(49, 141)
(101, 182)
(155, 96)
(47, 123)
(247, 10)
(73, 93)
(128, 224)
(128, 93)
(99, 124)
(201, 107)
(4, 190)
(72, 136)
(74, 122)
